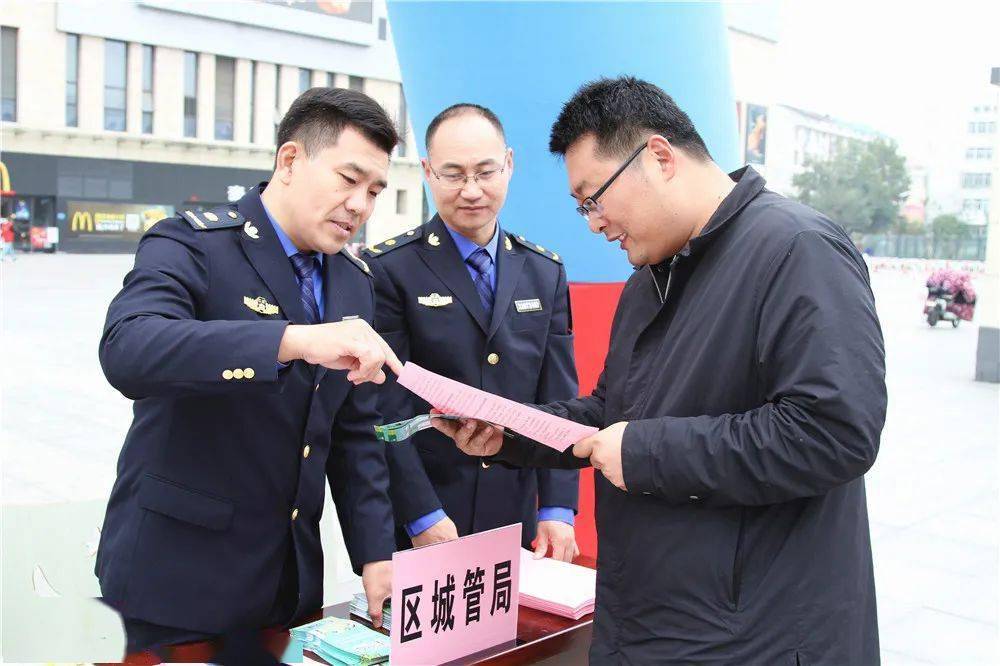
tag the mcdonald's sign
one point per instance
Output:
(112, 219)
(5, 181)
(82, 221)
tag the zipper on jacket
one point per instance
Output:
(670, 274)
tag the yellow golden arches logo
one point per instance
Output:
(82, 221)
(4, 178)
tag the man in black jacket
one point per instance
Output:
(741, 403)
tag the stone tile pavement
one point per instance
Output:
(932, 494)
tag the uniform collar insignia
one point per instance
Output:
(251, 230)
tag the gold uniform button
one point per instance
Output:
(295, 514)
(493, 358)
(238, 373)
(390, 242)
(249, 373)
(227, 374)
(305, 451)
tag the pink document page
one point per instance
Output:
(455, 598)
(454, 397)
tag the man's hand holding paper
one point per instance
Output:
(448, 395)
(472, 436)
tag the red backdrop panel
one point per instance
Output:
(593, 307)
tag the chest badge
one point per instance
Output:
(528, 305)
(260, 305)
(435, 300)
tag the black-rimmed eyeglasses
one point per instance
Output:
(590, 206)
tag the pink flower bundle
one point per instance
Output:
(954, 282)
(958, 283)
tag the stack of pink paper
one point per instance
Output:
(557, 587)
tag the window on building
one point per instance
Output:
(225, 102)
(400, 202)
(115, 77)
(72, 80)
(331, 80)
(305, 80)
(976, 204)
(383, 28)
(148, 54)
(190, 94)
(8, 75)
(356, 83)
(401, 121)
(976, 180)
(253, 102)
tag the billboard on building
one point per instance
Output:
(112, 220)
(756, 134)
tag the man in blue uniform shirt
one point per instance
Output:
(464, 298)
(243, 335)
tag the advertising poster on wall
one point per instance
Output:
(756, 134)
(112, 220)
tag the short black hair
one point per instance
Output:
(461, 109)
(318, 116)
(621, 113)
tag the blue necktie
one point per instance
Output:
(483, 263)
(304, 264)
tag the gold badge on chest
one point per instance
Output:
(260, 305)
(435, 300)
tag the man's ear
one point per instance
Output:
(287, 154)
(665, 154)
(426, 164)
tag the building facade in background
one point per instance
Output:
(118, 114)
(982, 129)
(776, 138)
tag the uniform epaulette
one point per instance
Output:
(394, 243)
(222, 217)
(360, 263)
(548, 254)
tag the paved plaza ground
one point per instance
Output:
(932, 494)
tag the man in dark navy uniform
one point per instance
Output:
(464, 298)
(242, 334)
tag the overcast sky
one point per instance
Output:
(909, 69)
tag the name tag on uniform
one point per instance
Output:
(349, 317)
(528, 305)
(435, 300)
